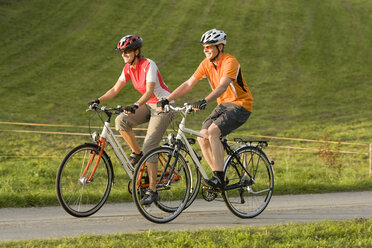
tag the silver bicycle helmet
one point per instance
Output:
(213, 37)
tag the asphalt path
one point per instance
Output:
(54, 222)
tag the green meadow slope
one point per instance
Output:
(307, 63)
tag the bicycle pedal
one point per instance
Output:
(212, 189)
(147, 206)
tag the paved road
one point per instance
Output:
(53, 222)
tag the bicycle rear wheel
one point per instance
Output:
(79, 196)
(245, 197)
(173, 189)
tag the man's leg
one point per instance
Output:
(213, 152)
(216, 147)
(206, 149)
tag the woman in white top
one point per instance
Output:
(146, 78)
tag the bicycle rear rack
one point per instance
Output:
(261, 143)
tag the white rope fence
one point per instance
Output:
(143, 129)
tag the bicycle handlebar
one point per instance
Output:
(96, 107)
(187, 108)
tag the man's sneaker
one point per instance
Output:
(216, 181)
(150, 197)
(134, 158)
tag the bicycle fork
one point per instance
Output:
(85, 180)
(165, 177)
(163, 174)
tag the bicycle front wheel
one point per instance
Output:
(247, 197)
(173, 188)
(78, 195)
(195, 177)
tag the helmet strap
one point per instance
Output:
(135, 56)
(131, 63)
(214, 58)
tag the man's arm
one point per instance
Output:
(183, 88)
(224, 83)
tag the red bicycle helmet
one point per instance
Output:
(129, 42)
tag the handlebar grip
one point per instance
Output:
(166, 108)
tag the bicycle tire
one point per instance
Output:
(195, 179)
(173, 196)
(246, 198)
(78, 197)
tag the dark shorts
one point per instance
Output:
(227, 117)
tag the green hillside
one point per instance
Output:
(307, 63)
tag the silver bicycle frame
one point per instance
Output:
(118, 150)
(181, 136)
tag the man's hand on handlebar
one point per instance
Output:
(199, 105)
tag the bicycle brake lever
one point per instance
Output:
(119, 110)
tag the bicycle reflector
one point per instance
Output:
(95, 136)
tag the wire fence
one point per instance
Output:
(367, 147)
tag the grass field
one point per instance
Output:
(29, 181)
(307, 63)
(350, 233)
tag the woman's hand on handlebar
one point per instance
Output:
(94, 103)
(162, 103)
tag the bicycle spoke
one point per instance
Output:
(78, 196)
(247, 197)
(172, 188)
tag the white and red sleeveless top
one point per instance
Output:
(145, 71)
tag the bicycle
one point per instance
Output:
(85, 176)
(248, 173)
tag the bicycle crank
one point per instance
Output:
(208, 193)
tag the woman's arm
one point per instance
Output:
(150, 86)
(112, 92)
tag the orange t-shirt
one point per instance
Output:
(228, 66)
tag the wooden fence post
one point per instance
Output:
(370, 159)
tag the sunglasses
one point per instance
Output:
(126, 51)
(209, 47)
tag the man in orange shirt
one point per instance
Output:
(233, 97)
